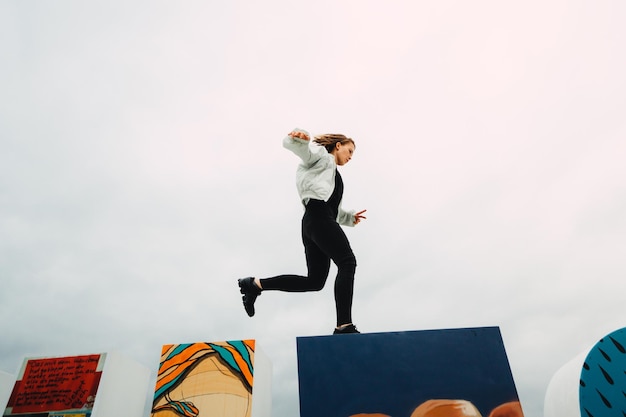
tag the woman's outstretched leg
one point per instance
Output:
(318, 265)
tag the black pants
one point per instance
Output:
(323, 240)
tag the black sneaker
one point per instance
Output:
(350, 328)
(250, 292)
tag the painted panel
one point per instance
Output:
(205, 378)
(458, 372)
(56, 386)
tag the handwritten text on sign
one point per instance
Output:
(56, 384)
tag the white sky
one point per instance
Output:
(142, 173)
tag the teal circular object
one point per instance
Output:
(602, 390)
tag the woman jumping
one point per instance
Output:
(321, 188)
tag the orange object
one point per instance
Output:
(446, 408)
(512, 409)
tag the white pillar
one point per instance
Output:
(123, 388)
(562, 398)
(6, 385)
(262, 389)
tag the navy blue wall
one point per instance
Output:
(392, 373)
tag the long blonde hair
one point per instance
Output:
(330, 140)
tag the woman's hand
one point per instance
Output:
(358, 216)
(298, 134)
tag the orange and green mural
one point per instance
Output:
(205, 378)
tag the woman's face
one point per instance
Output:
(343, 152)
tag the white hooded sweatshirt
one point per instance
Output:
(315, 177)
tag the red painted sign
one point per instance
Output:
(56, 384)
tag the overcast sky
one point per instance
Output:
(142, 173)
